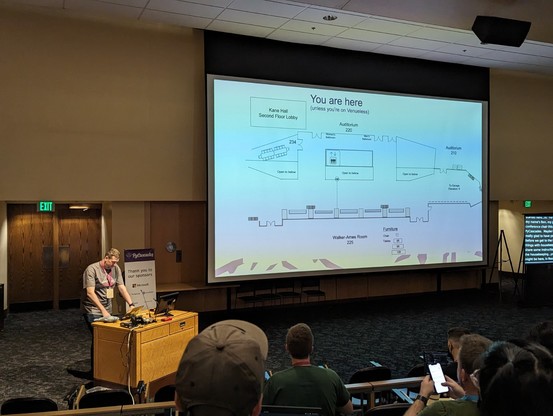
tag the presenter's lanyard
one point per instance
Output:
(108, 277)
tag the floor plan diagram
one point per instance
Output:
(311, 179)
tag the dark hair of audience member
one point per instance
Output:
(516, 380)
(457, 332)
(542, 333)
(299, 341)
(454, 335)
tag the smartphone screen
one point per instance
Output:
(438, 376)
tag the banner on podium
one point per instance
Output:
(140, 276)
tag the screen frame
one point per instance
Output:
(212, 279)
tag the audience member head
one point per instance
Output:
(471, 347)
(542, 333)
(516, 381)
(299, 341)
(221, 371)
(453, 338)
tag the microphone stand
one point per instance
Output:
(146, 304)
(157, 304)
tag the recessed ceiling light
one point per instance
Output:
(330, 17)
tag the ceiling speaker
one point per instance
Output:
(499, 31)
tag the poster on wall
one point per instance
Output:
(140, 276)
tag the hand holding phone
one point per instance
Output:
(438, 377)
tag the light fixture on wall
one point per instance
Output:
(79, 206)
(171, 247)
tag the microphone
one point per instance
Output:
(155, 309)
(145, 303)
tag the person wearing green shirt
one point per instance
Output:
(306, 385)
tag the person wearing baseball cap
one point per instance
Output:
(221, 371)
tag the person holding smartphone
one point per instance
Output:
(465, 392)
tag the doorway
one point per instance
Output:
(48, 252)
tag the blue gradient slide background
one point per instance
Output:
(308, 179)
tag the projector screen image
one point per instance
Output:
(538, 239)
(311, 180)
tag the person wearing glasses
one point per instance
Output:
(99, 282)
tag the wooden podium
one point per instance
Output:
(125, 356)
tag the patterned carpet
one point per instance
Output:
(37, 347)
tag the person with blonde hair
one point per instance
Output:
(99, 281)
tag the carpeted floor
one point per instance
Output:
(37, 348)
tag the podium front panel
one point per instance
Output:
(150, 352)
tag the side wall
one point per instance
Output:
(520, 130)
(97, 112)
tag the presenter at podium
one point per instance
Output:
(99, 281)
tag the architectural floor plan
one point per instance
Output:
(311, 179)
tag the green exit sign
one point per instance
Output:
(528, 204)
(45, 206)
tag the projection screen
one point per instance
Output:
(314, 180)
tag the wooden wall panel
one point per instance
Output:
(458, 280)
(165, 227)
(400, 284)
(203, 300)
(193, 226)
(35, 245)
(80, 244)
(183, 223)
(30, 268)
(352, 287)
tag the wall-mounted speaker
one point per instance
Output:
(500, 31)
